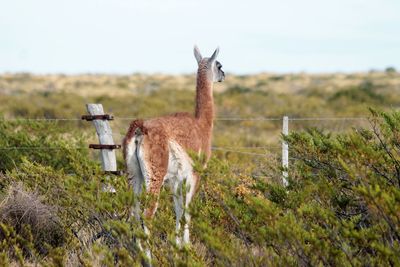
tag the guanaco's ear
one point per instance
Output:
(197, 54)
(214, 56)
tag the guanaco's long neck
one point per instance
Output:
(204, 99)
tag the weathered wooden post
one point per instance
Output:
(285, 151)
(106, 142)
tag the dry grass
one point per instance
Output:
(87, 85)
(21, 208)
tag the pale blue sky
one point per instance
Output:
(126, 36)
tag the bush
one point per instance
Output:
(390, 70)
(30, 219)
(341, 206)
(353, 185)
(364, 93)
(43, 142)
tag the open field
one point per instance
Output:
(333, 213)
(254, 96)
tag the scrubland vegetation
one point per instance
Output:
(341, 208)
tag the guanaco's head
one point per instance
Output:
(210, 65)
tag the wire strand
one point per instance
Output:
(242, 152)
(252, 147)
(217, 119)
(37, 148)
(227, 149)
(328, 119)
(41, 119)
(246, 119)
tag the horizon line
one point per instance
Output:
(98, 73)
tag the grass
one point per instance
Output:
(241, 214)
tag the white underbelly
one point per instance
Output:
(180, 165)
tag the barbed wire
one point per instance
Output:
(254, 147)
(217, 119)
(243, 152)
(328, 119)
(271, 119)
(227, 149)
(81, 148)
(130, 118)
(41, 119)
(38, 148)
(247, 119)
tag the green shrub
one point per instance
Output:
(355, 191)
(390, 70)
(364, 93)
(43, 142)
(341, 207)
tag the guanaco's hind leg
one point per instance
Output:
(192, 184)
(183, 181)
(153, 160)
(178, 208)
(147, 160)
(183, 194)
(136, 182)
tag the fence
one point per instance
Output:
(107, 145)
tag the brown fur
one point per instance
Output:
(151, 209)
(193, 133)
(156, 155)
(136, 124)
(197, 183)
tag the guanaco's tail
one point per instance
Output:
(135, 128)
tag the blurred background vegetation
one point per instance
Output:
(341, 206)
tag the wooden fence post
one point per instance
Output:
(106, 142)
(285, 151)
(104, 133)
